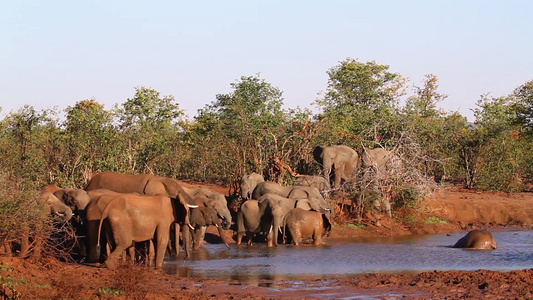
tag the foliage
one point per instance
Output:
(250, 130)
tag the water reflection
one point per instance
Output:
(264, 266)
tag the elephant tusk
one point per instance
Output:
(192, 206)
(216, 225)
(190, 226)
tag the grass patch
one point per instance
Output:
(11, 282)
(435, 220)
(5, 268)
(110, 292)
(355, 225)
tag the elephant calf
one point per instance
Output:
(303, 224)
(478, 240)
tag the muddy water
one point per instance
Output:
(339, 258)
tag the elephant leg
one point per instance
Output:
(239, 237)
(296, 236)
(150, 261)
(338, 175)
(197, 237)
(270, 237)
(317, 237)
(201, 236)
(131, 256)
(160, 247)
(250, 236)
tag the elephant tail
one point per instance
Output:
(240, 222)
(105, 212)
(284, 226)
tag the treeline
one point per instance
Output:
(248, 130)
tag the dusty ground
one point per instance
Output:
(450, 210)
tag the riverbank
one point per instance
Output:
(449, 210)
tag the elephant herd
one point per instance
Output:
(121, 212)
(299, 211)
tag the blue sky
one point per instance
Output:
(55, 53)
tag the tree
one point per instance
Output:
(149, 124)
(90, 140)
(361, 100)
(23, 138)
(246, 118)
(524, 97)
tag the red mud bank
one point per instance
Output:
(455, 210)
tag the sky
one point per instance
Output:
(56, 53)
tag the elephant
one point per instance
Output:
(203, 216)
(265, 216)
(376, 159)
(249, 221)
(318, 182)
(272, 209)
(214, 200)
(303, 224)
(248, 183)
(53, 207)
(314, 197)
(75, 198)
(477, 240)
(93, 212)
(343, 159)
(135, 218)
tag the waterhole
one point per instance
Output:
(346, 257)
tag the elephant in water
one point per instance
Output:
(303, 224)
(249, 221)
(135, 218)
(477, 240)
(265, 216)
(203, 216)
(248, 183)
(316, 201)
(343, 160)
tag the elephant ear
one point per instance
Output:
(317, 153)
(327, 221)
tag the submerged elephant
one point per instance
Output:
(303, 224)
(478, 240)
(140, 218)
(340, 159)
(248, 183)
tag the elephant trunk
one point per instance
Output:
(221, 233)
(186, 241)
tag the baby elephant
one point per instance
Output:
(478, 240)
(303, 224)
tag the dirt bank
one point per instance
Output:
(450, 210)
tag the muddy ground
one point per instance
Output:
(449, 210)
